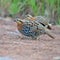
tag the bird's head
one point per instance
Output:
(18, 21)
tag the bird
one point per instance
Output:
(31, 29)
(41, 19)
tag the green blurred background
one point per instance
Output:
(19, 8)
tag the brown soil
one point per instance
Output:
(15, 45)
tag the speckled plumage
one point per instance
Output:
(31, 28)
(41, 19)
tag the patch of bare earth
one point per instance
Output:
(13, 45)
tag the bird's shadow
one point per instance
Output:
(26, 38)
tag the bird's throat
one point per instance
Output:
(19, 26)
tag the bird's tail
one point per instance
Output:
(49, 33)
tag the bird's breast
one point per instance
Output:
(19, 26)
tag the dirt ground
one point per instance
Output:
(15, 45)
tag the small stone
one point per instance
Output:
(56, 58)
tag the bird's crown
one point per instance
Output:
(18, 20)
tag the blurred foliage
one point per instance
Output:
(34, 7)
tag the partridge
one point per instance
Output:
(31, 28)
(41, 19)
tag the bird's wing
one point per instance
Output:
(42, 19)
(44, 29)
